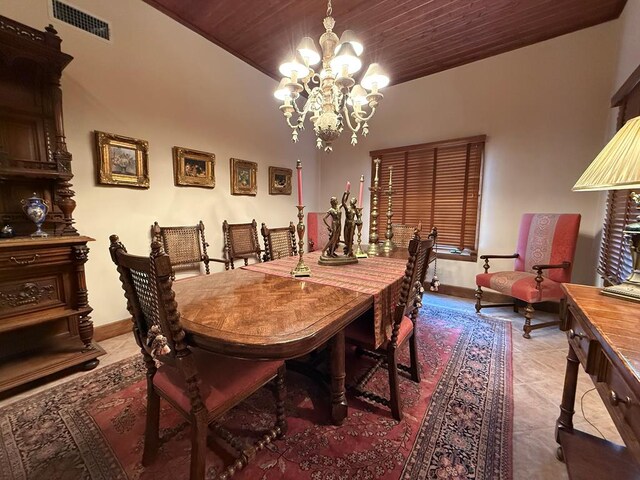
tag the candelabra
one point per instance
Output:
(373, 249)
(359, 252)
(301, 269)
(388, 244)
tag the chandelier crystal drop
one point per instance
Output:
(334, 99)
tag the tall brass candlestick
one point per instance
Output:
(373, 249)
(301, 269)
(359, 252)
(388, 244)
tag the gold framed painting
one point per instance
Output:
(122, 161)
(243, 177)
(193, 168)
(280, 181)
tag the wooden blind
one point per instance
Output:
(437, 184)
(615, 256)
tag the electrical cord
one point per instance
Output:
(585, 417)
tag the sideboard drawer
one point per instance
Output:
(29, 258)
(581, 339)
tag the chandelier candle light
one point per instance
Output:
(334, 100)
(301, 269)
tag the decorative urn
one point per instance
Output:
(36, 209)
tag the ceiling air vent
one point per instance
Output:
(80, 19)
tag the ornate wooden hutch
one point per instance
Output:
(45, 325)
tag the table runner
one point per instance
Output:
(377, 276)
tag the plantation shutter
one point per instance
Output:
(615, 257)
(437, 184)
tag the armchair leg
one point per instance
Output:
(230, 264)
(528, 315)
(152, 427)
(478, 299)
(413, 354)
(246, 262)
(392, 365)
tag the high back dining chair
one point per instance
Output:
(186, 246)
(402, 233)
(279, 242)
(201, 385)
(544, 259)
(405, 317)
(241, 242)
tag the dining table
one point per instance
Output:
(261, 312)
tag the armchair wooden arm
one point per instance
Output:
(541, 267)
(487, 257)
(221, 260)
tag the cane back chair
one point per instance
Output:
(543, 260)
(405, 316)
(186, 246)
(241, 242)
(201, 385)
(402, 233)
(279, 242)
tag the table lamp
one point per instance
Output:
(617, 167)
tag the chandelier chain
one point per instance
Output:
(329, 8)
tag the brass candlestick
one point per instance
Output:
(359, 252)
(388, 244)
(373, 249)
(301, 269)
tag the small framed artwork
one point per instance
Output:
(243, 177)
(193, 168)
(280, 181)
(122, 161)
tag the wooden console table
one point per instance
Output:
(604, 337)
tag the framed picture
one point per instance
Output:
(193, 168)
(280, 181)
(122, 161)
(243, 177)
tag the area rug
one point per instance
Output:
(457, 422)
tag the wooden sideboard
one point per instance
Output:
(44, 312)
(604, 338)
(45, 325)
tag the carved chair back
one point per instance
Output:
(147, 286)
(241, 241)
(185, 245)
(402, 233)
(548, 238)
(410, 299)
(279, 242)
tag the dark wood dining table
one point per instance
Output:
(247, 314)
(257, 315)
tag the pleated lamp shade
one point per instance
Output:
(618, 164)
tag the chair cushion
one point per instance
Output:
(521, 285)
(224, 381)
(360, 332)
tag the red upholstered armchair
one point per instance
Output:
(317, 233)
(544, 260)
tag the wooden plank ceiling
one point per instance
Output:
(410, 38)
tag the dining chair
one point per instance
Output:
(403, 233)
(186, 246)
(279, 242)
(241, 242)
(201, 385)
(405, 317)
(543, 261)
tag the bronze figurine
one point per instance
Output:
(329, 255)
(349, 223)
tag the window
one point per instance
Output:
(615, 257)
(437, 184)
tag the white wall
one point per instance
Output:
(163, 83)
(629, 49)
(544, 109)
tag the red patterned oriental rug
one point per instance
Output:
(457, 423)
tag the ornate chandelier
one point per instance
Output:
(334, 100)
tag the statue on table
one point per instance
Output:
(349, 223)
(334, 229)
(329, 255)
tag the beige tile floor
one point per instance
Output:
(538, 376)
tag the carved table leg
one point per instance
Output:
(338, 398)
(565, 420)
